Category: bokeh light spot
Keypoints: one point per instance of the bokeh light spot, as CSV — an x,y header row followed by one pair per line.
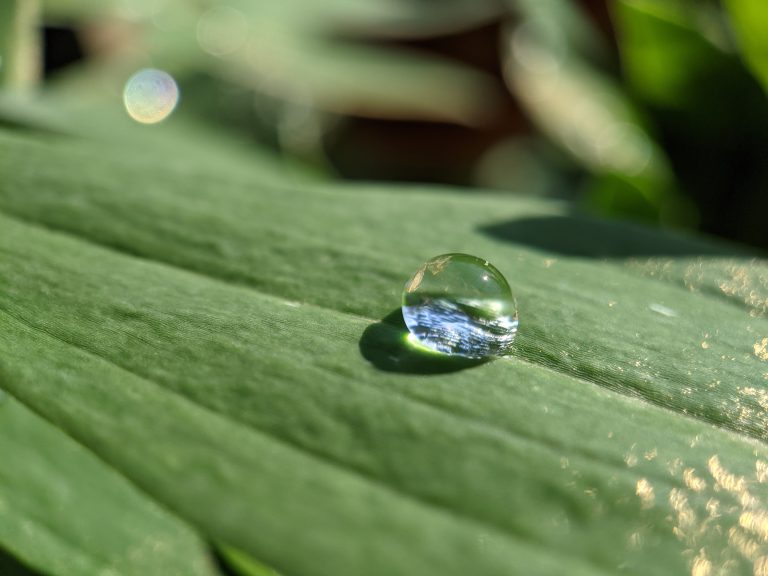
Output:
x,y
222,30
150,96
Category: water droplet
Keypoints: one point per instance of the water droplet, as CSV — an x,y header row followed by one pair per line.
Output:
x,y
150,95
461,305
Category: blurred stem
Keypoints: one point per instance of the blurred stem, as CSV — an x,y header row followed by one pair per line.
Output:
x,y
19,44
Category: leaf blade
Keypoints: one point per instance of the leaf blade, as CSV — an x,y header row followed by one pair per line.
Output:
x,y
229,364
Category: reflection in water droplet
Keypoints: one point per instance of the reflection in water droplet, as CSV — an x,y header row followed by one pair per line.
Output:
x,y
461,305
222,30
150,96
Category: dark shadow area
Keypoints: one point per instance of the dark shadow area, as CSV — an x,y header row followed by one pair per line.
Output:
x,y
230,561
61,48
584,236
32,127
221,563
385,345
9,566
382,149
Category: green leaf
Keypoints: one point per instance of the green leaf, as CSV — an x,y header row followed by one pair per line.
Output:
x,y
20,51
10,566
409,16
665,51
358,79
587,114
244,564
749,19
225,342
65,512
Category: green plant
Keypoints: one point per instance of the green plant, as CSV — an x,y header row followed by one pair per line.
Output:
x,y
192,351
203,370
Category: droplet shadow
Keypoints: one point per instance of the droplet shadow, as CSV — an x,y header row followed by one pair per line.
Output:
x,y
386,346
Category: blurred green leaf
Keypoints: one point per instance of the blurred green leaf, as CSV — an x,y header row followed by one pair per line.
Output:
x,y
386,17
680,61
355,79
662,49
564,25
20,50
295,50
750,22
588,116
216,337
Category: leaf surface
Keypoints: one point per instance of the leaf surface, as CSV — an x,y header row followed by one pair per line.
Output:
x,y
64,512
225,342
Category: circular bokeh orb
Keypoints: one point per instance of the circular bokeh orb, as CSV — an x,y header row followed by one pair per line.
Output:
x,y
150,96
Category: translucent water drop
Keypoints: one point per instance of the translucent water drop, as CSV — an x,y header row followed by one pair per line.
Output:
x,y
461,305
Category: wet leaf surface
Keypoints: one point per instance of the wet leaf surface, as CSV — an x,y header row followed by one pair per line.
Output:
x,y
217,333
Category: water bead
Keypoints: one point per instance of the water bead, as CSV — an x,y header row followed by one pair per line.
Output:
x,y
460,305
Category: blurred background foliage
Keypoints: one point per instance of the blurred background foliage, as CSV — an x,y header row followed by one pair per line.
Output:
x,y
653,110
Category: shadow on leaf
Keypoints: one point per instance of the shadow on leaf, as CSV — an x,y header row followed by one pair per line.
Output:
x,y
595,238
386,346
9,566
